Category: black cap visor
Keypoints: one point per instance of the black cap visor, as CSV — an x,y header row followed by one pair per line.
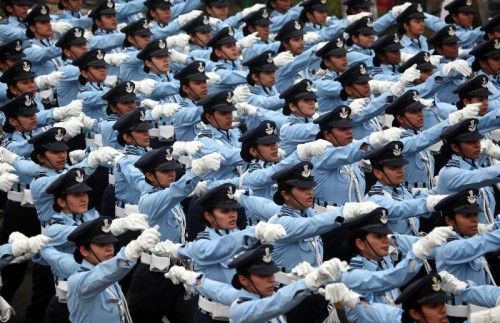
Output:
x,y
27,112
293,34
226,40
364,31
169,165
377,228
78,188
23,76
302,184
467,209
272,139
493,54
341,124
263,270
393,47
362,79
482,92
197,77
470,136
124,98
336,52
265,68
400,161
96,63
143,126
142,32
219,4
56,146
159,52
224,107
306,95
104,239
108,11
435,298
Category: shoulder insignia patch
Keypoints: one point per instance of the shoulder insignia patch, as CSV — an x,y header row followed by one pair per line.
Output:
x,y
39,175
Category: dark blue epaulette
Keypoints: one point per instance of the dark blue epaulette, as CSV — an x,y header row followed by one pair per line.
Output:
x,y
219,67
243,300
205,133
356,264
254,90
184,104
4,21
452,163
253,167
378,70
39,175
406,134
6,142
376,190
56,221
203,235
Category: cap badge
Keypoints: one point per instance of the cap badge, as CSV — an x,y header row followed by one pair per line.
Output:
x,y
468,3
396,38
427,58
28,101
229,97
168,155
472,126
59,135
340,43
471,198
106,228
26,67
265,14
201,68
230,193
484,83
230,31
309,87
78,33
497,44
362,69
206,20
451,31
369,22
323,1
306,173
384,217
419,8
267,255
344,114
296,25
129,88
415,96
161,44
110,4
79,177
436,284
269,129
396,151
44,10
269,58
142,117
18,47
145,25
99,55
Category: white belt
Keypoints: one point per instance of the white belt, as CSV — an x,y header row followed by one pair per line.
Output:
x,y
282,278
111,179
62,290
185,160
463,310
156,263
23,197
128,209
163,132
219,311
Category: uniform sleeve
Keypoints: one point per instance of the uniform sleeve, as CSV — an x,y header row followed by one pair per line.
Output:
x,y
62,262
217,291
91,100
267,102
133,176
456,179
5,255
384,22
163,89
261,178
426,138
279,20
187,116
231,155
300,62
41,54
375,312
433,22
184,7
484,295
125,9
335,157
261,206
173,28
58,234
399,210
295,134
107,42
373,109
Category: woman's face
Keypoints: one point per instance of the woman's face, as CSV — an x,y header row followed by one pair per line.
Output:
x,y
219,218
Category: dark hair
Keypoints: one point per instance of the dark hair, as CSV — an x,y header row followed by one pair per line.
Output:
x,y
181,91
349,42
303,17
145,68
210,210
249,77
7,127
246,31
81,79
406,318
213,56
94,26
120,139
245,151
77,255
376,59
56,206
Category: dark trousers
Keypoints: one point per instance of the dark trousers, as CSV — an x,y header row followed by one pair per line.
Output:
x,y
43,291
151,296
57,312
203,317
24,220
313,309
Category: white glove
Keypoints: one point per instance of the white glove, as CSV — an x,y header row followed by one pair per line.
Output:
x,y
357,106
320,73
380,138
88,35
246,109
352,210
451,284
7,180
6,168
7,156
397,10
380,86
339,293
240,94
32,245
148,239
435,60
145,86
483,228
187,17
132,222
312,149
206,163
423,247
119,27
73,127
426,102
283,58
60,27
301,270
179,41
117,159
178,57
469,111
87,121
486,316
200,189
490,149
16,235
165,110
77,156
408,76
311,37
330,270
254,8
405,57
432,200
73,109
21,259
352,18
269,232
281,154
181,148
213,78
116,59
167,249
459,66
149,104
101,156
46,81
213,21
179,274
247,41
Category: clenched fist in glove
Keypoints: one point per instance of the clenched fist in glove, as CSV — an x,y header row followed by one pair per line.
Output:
x,y
423,247
178,57
6,168
145,86
7,180
181,148
213,78
353,18
254,8
240,94
469,111
60,27
269,232
380,138
357,106
167,249
179,274
459,67
148,239
451,284
116,59
352,210
206,164
312,149
377,86
311,37
339,293
87,121
149,104
433,200
410,75
77,156
165,110
73,109
187,17
101,156
7,156
246,109
490,149
46,81
178,41
330,270
247,41
301,270
132,222
283,58
397,10
22,244
73,127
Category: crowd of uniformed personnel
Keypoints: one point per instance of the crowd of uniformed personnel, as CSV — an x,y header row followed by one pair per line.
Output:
x,y
162,160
